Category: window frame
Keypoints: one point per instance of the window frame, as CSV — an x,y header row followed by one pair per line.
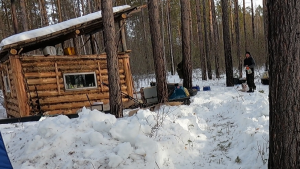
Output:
x,y
81,88
6,82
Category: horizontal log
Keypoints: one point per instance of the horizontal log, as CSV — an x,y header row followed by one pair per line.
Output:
x,y
42,74
65,106
73,92
65,62
45,87
61,111
13,113
73,98
43,81
106,77
13,107
12,101
105,71
102,56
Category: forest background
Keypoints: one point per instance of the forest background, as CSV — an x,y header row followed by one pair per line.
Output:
x,y
24,15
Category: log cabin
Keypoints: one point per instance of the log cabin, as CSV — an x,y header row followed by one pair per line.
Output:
x,y
62,79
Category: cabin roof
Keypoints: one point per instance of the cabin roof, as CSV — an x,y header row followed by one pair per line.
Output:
x,y
58,33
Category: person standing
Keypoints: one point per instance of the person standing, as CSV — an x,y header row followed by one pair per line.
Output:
x,y
249,64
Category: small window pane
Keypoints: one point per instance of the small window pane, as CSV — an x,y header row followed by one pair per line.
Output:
x,y
75,81
6,83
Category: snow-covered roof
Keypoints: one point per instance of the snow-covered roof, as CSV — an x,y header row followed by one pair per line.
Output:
x,y
48,30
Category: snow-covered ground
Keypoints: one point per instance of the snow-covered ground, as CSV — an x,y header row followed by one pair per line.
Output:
x,y
222,128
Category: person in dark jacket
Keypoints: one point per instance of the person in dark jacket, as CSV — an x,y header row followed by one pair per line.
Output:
x,y
249,64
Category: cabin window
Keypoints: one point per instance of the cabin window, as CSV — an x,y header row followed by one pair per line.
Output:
x,y
6,83
78,81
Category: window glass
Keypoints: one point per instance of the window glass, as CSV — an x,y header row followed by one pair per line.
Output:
x,y
75,81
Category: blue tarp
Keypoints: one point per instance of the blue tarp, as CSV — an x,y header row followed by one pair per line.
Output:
x,y
4,160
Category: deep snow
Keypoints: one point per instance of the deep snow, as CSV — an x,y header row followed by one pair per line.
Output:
x,y
222,128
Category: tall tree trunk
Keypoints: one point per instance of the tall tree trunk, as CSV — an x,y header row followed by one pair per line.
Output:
x,y
186,45
145,52
157,49
245,28
201,43
2,25
24,15
4,5
14,16
265,15
115,99
170,37
252,11
208,60
59,11
44,12
227,44
215,38
237,38
231,22
284,52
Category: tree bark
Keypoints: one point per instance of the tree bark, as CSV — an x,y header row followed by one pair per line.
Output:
x,y
14,16
186,45
201,43
59,11
284,52
215,38
265,15
227,44
44,12
24,15
170,37
252,16
245,28
207,51
115,99
157,49
237,38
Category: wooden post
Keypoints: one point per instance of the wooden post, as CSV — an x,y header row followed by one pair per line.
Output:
x,y
19,85
57,78
92,41
8,78
76,44
123,34
128,76
99,69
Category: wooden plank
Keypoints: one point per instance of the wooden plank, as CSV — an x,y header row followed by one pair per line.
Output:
x,y
57,78
19,86
43,81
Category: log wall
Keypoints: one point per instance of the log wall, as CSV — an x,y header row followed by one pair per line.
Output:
x,y
42,81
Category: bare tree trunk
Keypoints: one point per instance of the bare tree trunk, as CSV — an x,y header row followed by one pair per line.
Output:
x,y
245,28
115,99
201,43
170,37
186,45
157,49
208,60
4,5
265,15
24,15
252,11
227,44
231,22
44,12
14,16
237,39
59,11
284,52
2,25
215,38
